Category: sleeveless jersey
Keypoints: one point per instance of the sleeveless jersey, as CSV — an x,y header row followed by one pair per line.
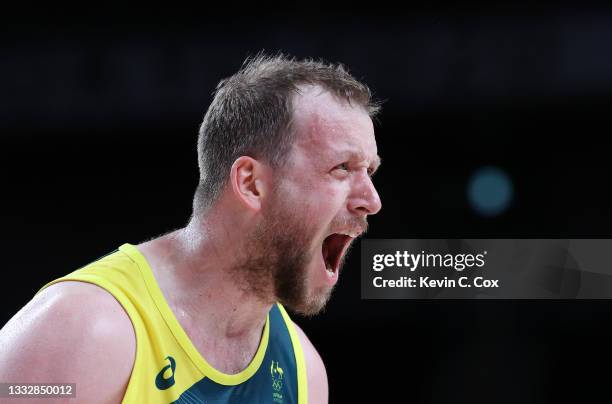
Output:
x,y
168,368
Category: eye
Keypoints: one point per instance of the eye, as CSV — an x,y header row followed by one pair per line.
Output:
x,y
341,170
343,166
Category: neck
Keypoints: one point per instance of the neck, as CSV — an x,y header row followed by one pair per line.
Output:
x,y
195,269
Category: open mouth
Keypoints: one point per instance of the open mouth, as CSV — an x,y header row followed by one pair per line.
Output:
x,y
334,247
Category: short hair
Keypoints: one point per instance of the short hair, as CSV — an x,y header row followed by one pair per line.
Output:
x,y
251,114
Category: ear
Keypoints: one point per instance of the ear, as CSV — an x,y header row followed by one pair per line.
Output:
x,y
248,181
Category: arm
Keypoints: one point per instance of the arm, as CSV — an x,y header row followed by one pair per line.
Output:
x,y
315,370
71,332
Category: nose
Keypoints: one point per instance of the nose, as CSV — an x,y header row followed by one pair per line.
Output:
x,y
364,199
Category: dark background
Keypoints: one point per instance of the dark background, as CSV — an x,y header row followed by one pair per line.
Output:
x,y
99,110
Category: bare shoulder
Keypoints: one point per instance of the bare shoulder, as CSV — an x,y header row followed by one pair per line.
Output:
x,y
315,369
71,332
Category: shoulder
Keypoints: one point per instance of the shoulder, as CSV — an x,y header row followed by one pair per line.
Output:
x,y
315,369
73,332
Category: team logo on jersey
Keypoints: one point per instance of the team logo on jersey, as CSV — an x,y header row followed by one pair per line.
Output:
x,y
162,382
277,381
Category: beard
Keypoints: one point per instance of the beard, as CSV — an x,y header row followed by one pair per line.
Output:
x,y
275,262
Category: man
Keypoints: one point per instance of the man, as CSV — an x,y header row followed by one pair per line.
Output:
x,y
286,153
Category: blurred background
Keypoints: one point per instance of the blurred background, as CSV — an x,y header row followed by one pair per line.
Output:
x,y
495,124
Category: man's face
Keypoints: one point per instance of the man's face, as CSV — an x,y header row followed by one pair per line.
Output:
x,y
322,198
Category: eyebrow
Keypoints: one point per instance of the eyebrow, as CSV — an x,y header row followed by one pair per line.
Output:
x,y
376,162
376,165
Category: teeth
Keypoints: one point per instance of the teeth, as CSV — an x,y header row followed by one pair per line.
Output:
x,y
329,269
352,234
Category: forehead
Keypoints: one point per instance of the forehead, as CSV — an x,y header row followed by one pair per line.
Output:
x,y
328,126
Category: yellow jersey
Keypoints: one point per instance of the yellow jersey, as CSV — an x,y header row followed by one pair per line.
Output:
x,y
168,368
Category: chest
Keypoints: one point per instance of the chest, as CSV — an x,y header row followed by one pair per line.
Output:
x,y
227,355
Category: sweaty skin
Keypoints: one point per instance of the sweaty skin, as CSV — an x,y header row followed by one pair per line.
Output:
x,y
326,188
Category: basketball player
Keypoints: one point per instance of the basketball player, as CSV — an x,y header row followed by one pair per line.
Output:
x,y
286,153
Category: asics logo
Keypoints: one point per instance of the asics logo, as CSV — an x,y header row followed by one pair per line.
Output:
x,y
162,382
